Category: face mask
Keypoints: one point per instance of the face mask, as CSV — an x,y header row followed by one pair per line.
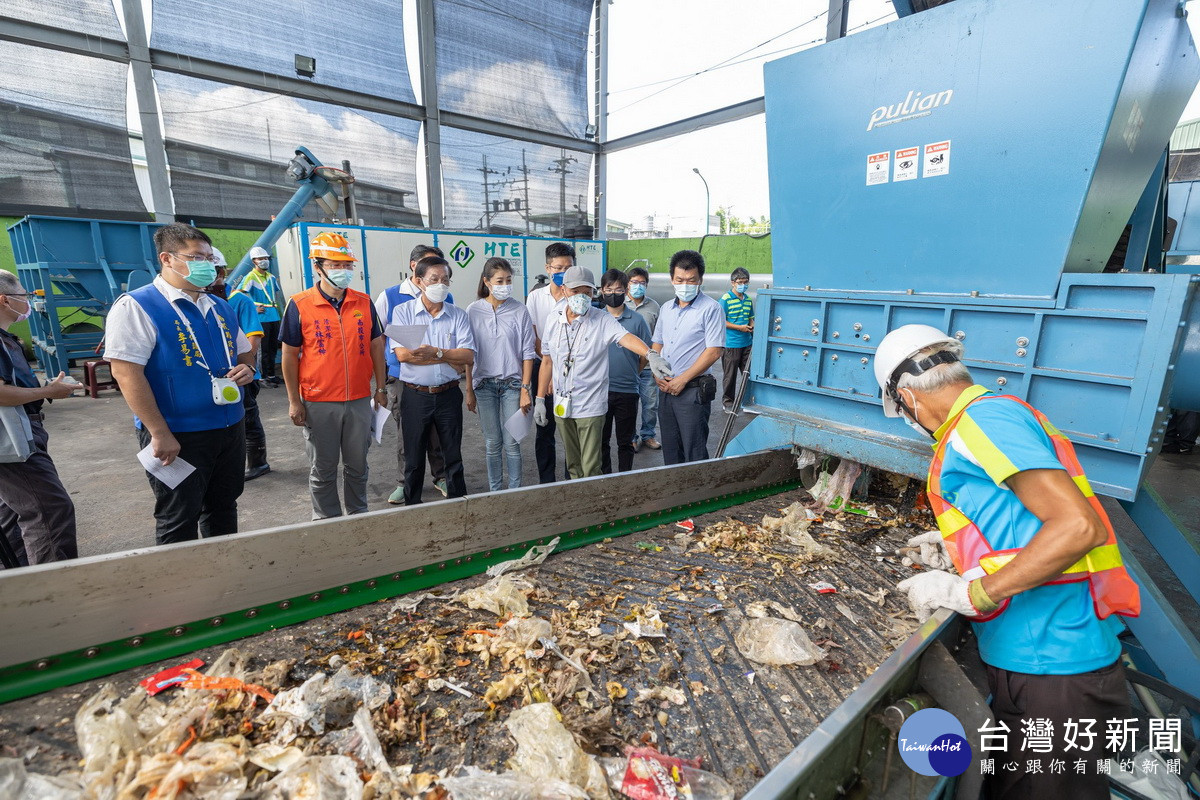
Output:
x,y
579,304
740,287
436,293
28,310
613,300
263,266
502,292
200,273
686,292
637,290
557,278
339,277
912,423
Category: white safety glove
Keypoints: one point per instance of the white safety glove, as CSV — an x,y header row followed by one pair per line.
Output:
x,y
929,591
660,368
539,412
933,550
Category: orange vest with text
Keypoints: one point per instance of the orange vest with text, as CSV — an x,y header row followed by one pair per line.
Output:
x,y
1112,590
335,358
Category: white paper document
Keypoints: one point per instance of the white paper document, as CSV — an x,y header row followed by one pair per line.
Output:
x,y
172,475
410,337
381,417
519,424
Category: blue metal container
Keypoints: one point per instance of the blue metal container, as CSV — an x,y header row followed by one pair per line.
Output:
x,y
77,265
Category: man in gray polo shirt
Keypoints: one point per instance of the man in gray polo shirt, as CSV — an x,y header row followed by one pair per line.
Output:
x,y
691,334
575,354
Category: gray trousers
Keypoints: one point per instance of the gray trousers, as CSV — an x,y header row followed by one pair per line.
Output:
x,y
37,516
333,433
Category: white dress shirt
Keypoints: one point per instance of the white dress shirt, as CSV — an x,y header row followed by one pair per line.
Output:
x,y
503,338
449,330
130,335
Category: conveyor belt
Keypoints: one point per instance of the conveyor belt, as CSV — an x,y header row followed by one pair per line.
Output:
x,y
741,726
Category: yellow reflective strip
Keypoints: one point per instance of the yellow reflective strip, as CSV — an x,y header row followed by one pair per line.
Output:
x,y
1106,556
951,521
994,562
1082,482
991,458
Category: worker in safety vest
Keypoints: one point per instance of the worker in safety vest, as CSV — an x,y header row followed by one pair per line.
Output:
x,y
1038,568
332,347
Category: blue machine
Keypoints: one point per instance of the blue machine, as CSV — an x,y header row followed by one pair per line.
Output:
x,y
77,264
971,167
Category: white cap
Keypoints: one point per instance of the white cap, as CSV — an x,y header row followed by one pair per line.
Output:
x,y
258,252
899,346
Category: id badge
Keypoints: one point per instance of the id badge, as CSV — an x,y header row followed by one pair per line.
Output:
x,y
562,406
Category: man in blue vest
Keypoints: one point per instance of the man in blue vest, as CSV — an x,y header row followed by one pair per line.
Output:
x,y
387,300
181,360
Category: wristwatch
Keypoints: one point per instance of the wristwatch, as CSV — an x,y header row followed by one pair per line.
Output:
x,y
439,352
527,387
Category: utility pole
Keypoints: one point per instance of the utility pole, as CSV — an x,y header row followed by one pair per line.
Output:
x,y
560,166
835,20
525,173
487,200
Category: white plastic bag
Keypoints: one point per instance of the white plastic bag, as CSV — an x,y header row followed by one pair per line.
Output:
x,y
479,784
547,750
778,642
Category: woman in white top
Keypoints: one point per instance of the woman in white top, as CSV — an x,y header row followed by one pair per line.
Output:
x,y
499,382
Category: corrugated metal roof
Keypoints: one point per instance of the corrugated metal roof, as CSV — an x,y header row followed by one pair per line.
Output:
x,y
1186,135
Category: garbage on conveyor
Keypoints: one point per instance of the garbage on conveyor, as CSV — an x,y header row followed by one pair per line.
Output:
x,y
778,642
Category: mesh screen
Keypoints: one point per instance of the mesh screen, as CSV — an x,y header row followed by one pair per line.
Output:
x,y
533,199
1184,165
358,44
97,17
516,61
64,144
228,147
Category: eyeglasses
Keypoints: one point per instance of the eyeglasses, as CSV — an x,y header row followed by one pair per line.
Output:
x,y
193,257
613,292
432,281
16,294
637,283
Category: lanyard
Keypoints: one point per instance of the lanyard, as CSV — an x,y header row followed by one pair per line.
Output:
x,y
569,367
263,284
196,342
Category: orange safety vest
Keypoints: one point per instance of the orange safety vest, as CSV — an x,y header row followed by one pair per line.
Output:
x,y
335,358
1112,590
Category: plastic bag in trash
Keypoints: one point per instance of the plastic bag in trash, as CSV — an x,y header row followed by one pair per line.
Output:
x,y
767,640
501,595
840,483
479,784
547,750
18,784
533,556
207,771
649,775
316,778
1150,777
793,527
360,741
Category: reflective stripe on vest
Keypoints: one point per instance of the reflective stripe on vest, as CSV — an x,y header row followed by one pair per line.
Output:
x,y
1112,590
335,357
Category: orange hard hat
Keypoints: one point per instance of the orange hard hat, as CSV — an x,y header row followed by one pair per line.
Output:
x,y
332,246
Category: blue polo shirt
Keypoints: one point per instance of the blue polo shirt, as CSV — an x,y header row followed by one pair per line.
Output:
x,y
622,363
1048,630
248,317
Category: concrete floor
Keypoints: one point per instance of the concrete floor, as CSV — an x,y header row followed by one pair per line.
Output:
x,y
93,444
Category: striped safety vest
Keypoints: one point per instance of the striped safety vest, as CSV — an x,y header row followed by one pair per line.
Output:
x,y
1112,590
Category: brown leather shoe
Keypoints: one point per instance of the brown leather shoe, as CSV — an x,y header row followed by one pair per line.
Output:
x,y
652,443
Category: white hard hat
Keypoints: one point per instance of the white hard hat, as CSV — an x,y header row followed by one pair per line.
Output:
x,y
219,258
897,348
258,252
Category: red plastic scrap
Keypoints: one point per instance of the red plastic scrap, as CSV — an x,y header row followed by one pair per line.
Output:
x,y
651,775
687,525
169,677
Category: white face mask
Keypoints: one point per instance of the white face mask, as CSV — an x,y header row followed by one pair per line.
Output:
x,y
686,292
436,293
912,421
502,292
28,310
579,304
340,278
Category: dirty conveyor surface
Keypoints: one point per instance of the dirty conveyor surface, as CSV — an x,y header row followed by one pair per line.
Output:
x,y
691,693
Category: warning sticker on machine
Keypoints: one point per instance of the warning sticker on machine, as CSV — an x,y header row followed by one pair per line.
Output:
x,y
907,164
878,168
937,159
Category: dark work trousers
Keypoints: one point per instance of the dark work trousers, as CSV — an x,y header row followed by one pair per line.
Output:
x,y
256,437
1099,695
421,411
1181,431
270,349
543,443
622,414
437,463
683,424
205,503
733,359
37,517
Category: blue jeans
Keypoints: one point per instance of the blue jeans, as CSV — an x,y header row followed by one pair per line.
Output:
x,y
498,400
649,391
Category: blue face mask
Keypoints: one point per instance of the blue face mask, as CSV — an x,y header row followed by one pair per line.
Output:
x,y
340,278
558,278
637,290
686,292
200,274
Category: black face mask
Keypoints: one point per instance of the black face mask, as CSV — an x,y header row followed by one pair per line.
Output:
x,y
613,300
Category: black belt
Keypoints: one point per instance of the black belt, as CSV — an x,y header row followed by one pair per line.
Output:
x,y
431,389
694,382
38,417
